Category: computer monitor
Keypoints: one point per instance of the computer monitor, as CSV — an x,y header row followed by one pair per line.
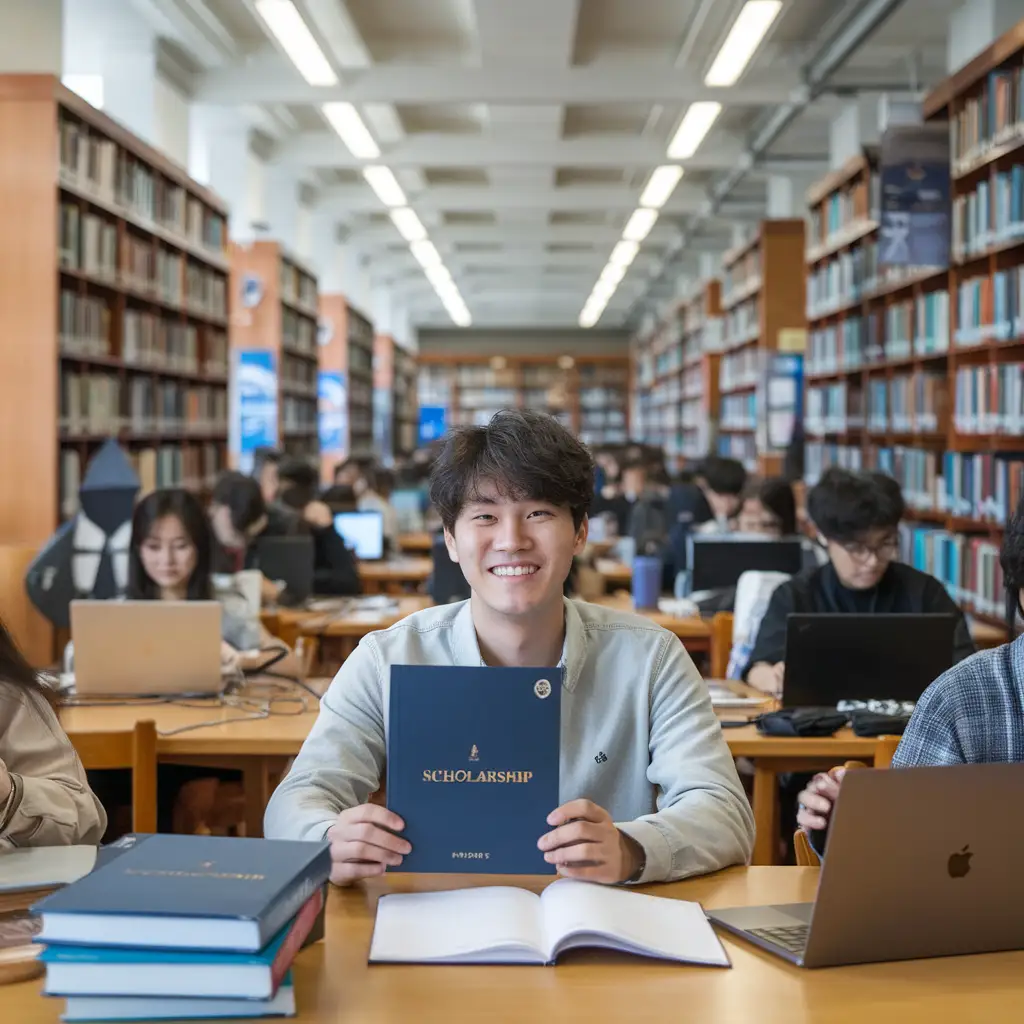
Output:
x,y
718,562
363,532
289,560
408,505
880,656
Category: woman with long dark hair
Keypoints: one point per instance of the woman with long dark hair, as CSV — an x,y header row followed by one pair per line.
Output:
x,y
45,799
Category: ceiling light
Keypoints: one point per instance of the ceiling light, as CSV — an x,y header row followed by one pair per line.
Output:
x,y
613,274
745,36
385,184
460,316
661,185
426,254
345,120
591,314
439,277
638,227
696,123
624,253
408,224
288,28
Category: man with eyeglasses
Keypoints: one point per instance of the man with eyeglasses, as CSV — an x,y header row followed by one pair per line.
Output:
x,y
857,517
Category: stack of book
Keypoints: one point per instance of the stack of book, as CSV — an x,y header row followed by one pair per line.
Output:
x,y
184,928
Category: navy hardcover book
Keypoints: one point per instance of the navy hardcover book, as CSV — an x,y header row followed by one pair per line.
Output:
x,y
473,765
188,892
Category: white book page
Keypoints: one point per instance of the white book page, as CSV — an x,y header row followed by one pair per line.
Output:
x,y
586,914
495,924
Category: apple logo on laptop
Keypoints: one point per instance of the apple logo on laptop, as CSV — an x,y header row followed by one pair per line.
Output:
x,y
960,863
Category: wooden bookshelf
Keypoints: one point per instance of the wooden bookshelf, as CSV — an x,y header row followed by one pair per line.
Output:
x,y
283,322
677,373
763,304
395,408
589,394
113,306
922,374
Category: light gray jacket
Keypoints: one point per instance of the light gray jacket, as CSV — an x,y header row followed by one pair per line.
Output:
x,y
639,736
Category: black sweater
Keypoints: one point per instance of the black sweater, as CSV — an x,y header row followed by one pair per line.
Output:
x,y
902,590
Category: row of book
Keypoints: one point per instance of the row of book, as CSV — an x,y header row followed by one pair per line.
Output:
x,y
298,287
831,411
668,361
993,118
298,414
990,308
298,333
840,210
152,340
87,242
908,403
990,215
841,280
742,274
739,369
742,323
742,447
299,373
96,165
739,412
83,324
990,399
693,383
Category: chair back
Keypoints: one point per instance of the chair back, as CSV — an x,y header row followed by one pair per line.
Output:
x,y
134,749
721,644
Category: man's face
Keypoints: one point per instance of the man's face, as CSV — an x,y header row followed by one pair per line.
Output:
x,y
270,482
723,506
861,564
634,481
515,554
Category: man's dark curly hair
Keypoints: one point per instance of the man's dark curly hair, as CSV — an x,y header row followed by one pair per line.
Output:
x,y
1011,555
525,455
844,505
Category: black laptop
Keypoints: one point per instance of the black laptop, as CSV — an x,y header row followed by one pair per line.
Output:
x,y
718,562
832,657
289,560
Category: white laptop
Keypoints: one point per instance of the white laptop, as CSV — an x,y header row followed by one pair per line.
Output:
x,y
146,648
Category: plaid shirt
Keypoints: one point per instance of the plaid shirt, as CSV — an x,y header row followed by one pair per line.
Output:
x,y
972,714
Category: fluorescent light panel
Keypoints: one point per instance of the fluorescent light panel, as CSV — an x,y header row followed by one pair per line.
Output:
x,y
638,227
661,186
345,120
288,28
696,123
409,225
383,181
612,275
426,254
624,253
745,36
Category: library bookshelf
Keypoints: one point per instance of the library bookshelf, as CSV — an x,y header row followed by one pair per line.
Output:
x,y
764,309
922,374
276,311
589,394
677,376
395,406
113,307
348,348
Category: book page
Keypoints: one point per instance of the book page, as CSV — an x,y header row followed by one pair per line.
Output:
x,y
586,914
458,925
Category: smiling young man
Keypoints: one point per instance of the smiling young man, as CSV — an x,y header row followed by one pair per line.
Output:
x,y
649,791
857,516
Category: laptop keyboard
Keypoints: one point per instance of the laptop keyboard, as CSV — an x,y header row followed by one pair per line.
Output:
x,y
790,937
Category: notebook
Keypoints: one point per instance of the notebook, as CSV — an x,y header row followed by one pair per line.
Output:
x,y
505,925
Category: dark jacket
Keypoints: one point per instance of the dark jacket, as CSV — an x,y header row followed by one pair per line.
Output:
x,y
335,568
902,590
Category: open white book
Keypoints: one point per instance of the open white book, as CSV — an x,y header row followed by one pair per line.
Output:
x,y
505,925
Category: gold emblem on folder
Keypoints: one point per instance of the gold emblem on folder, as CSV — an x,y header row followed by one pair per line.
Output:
x,y
474,753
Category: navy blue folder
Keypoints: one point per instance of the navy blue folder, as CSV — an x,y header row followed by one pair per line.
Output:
x,y
472,765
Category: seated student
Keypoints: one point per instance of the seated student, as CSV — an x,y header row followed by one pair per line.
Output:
x,y
858,516
335,571
266,471
722,482
372,488
768,509
45,799
971,714
351,469
516,493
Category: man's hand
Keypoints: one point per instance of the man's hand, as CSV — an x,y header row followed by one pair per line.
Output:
x,y
817,800
363,843
269,590
584,843
6,786
767,678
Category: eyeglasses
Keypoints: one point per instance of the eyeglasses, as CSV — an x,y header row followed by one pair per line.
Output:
x,y
884,552
754,524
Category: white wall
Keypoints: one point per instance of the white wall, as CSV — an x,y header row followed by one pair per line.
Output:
x,y
172,126
256,188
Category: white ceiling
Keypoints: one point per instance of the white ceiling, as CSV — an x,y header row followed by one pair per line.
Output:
x,y
523,131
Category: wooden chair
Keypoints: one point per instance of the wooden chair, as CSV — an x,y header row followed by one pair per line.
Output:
x,y
135,749
885,749
721,643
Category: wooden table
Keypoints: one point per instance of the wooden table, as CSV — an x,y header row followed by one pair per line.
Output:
x,y
694,632
394,575
334,984
615,573
418,543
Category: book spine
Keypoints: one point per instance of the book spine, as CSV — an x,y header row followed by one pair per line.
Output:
x,y
301,927
294,896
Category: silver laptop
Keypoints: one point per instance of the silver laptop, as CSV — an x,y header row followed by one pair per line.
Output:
x,y
921,862
146,648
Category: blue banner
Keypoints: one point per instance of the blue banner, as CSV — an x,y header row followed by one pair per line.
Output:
x,y
432,422
916,203
254,416
332,395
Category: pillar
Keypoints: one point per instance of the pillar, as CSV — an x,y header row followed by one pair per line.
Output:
x,y
854,127
281,206
710,264
977,23
783,200
326,252
31,36
219,158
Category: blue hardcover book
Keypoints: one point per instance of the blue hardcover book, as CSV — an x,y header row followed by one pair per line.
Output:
x,y
188,892
473,765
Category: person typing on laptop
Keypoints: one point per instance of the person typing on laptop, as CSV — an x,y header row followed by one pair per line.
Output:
x,y
640,737
857,517
969,715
